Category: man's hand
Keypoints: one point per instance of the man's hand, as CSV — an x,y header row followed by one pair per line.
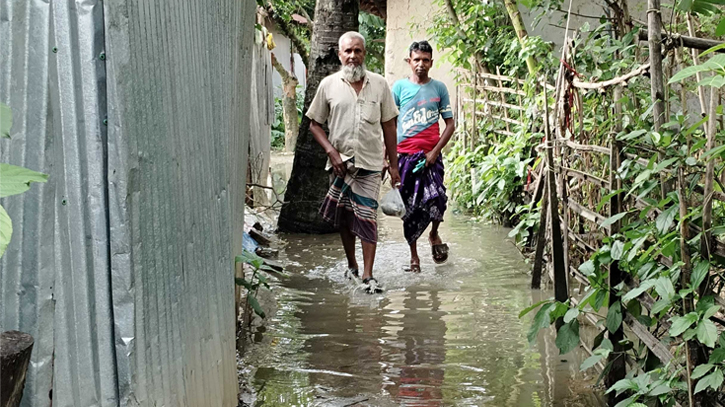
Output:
x,y
338,166
394,177
386,167
431,157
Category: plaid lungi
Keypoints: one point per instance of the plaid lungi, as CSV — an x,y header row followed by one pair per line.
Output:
x,y
353,201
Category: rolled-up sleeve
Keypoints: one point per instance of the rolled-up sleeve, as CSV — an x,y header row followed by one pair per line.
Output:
x,y
319,109
388,110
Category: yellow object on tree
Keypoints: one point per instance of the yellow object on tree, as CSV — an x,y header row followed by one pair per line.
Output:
x,y
270,42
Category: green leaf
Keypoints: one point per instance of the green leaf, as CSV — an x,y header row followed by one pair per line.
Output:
x,y
687,72
666,219
664,288
617,250
715,81
255,306
646,285
716,47
713,380
611,220
711,311
623,385
571,315
246,284
699,273
717,356
681,324
541,320
531,308
701,370
658,391
16,180
590,362
614,317
587,268
6,230
660,306
707,333
6,120
567,339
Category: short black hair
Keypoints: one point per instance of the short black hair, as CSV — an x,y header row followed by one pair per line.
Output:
x,y
420,46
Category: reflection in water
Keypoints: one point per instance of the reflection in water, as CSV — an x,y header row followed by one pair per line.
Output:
x,y
423,332
449,336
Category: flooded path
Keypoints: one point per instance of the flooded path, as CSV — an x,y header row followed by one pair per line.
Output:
x,y
449,336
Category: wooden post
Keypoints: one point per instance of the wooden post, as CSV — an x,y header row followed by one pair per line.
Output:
x,y
657,85
15,350
561,291
503,100
688,304
618,369
474,133
540,239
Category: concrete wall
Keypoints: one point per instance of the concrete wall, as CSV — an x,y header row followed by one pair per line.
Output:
x,y
401,13
399,35
283,52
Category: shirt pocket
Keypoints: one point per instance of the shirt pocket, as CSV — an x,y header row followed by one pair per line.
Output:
x,y
370,111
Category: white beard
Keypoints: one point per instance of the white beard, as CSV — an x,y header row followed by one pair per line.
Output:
x,y
353,74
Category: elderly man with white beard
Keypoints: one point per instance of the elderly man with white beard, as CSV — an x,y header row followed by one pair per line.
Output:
x,y
360,112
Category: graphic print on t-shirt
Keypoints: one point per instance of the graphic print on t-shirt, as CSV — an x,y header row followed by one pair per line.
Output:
x,y
421,107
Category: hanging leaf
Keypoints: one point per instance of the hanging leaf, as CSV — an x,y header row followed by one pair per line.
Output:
x,y
666,219
255,306
587,268
644,286
541,320
717,356
590,362
16,180
531,308
617,250
716,47
701,370
713,380
611,220
681,324
699,273
6,120
707,333
571,315
6,230
567,339
614,317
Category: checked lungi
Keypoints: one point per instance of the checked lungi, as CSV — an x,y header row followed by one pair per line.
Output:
x,y
353,201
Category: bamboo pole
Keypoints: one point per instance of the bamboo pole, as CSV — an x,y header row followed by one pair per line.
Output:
x,y
688,304
518,24
657,85
618,369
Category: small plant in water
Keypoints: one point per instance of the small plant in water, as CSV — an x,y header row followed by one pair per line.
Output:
x,y
256,280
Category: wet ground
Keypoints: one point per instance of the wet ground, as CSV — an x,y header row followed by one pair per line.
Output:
x,y
449,336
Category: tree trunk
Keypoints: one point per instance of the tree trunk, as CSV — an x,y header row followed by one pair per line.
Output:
x,y
518,24
289,105
309,181
15,350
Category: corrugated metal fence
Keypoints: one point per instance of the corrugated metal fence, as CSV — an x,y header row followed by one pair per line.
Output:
x,y
121,265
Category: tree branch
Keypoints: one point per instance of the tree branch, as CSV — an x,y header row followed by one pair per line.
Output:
x,y
283,72
615,81
286,30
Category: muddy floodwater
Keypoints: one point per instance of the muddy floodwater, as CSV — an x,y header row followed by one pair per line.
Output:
x,y
449,336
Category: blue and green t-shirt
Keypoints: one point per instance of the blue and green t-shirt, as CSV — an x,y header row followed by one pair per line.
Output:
x,y
421,107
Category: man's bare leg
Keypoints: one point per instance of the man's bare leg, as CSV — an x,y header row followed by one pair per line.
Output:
x,y
368,258
348,243
414,259
434,236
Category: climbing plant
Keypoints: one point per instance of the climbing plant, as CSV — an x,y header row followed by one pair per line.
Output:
x,y
14,180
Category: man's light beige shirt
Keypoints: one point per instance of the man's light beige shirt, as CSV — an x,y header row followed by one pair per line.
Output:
x,y
354,120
